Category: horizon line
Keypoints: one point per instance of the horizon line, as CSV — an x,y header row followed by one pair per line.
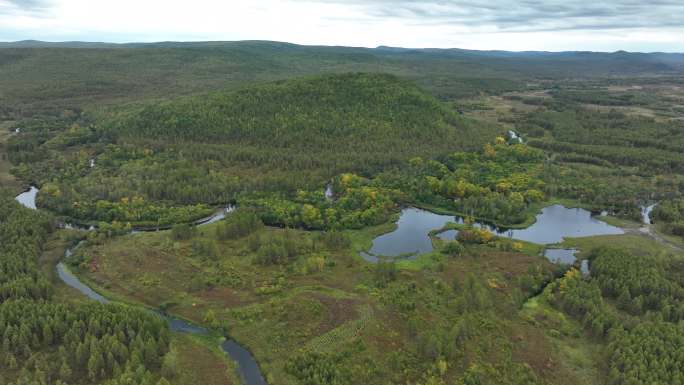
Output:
x,y
47,42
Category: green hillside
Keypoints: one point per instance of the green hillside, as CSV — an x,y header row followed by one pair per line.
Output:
x,y
277,137
335,113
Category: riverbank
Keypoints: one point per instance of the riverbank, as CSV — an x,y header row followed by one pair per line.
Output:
x,y
210,216
133,278
530,213
415,231
193,350
29,199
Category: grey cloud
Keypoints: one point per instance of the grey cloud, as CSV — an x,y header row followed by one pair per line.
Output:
x,y
34,7
29,4
528,15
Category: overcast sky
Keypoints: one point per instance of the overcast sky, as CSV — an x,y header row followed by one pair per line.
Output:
x,y
554,25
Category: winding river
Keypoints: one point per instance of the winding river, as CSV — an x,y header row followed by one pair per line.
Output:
x,y
28,199
409,239
248,368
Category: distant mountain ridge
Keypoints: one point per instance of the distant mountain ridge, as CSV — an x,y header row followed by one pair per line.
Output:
x,y
565,63
58,76
204,44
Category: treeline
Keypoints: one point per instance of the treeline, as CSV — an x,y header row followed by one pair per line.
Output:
x,y
644,331
44,342
22,235
608,159
619,192
497,183
670,213
613,136
64,199
357,203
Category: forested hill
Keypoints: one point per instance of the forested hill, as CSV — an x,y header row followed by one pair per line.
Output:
x,y
278,137
330,124
325,112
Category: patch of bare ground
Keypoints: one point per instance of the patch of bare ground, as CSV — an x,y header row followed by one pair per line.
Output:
x,y
337,311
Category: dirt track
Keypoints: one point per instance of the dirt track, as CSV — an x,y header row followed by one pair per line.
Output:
x,y
648,231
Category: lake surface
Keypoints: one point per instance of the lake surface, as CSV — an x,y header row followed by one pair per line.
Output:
x,y
410,237
557,222
448,235
562,256
552,224
567,257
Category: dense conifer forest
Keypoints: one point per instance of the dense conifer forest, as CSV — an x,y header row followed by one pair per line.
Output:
x,y
635,304
45,342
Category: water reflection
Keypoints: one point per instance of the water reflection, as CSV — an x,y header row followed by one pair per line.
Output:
x,y
552,225
248,368
218,216
557,222
28,198
561,256
70,279
182,326
410,237
448,235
